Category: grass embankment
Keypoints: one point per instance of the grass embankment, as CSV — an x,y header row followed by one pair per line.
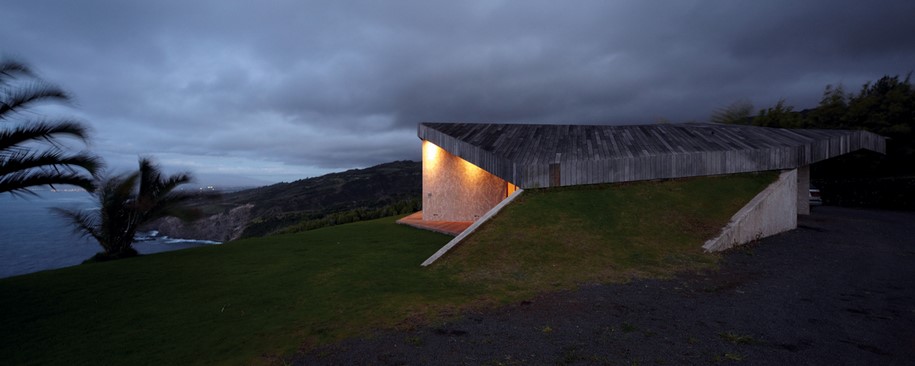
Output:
x,y
562,237
259,300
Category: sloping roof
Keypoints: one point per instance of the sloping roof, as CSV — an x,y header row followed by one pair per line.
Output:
x,y
524,154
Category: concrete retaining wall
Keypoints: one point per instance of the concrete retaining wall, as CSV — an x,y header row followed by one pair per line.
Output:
x,y
803,190
772,211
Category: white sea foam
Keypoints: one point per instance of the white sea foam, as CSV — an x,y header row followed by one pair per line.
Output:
x,y
168,240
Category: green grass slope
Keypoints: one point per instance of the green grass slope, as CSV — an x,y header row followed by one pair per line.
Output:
x,y
563,237
257,301
227,304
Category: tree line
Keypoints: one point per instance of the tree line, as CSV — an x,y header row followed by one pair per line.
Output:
x,y
885,107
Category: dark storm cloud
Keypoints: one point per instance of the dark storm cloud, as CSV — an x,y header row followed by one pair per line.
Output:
x,y
284,89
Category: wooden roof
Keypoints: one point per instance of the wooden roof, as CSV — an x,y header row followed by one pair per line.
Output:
x,y
585,154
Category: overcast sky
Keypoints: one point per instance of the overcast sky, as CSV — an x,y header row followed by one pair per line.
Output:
x,y
283,90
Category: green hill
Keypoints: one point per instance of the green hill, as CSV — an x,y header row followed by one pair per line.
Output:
x,y
370,187
259,300
349,196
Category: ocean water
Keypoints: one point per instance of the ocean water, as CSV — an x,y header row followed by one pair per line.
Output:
x,y
33,239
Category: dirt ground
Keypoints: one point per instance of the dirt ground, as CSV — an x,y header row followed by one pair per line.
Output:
x,y
839,290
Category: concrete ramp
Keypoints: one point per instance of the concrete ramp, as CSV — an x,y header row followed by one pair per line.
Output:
x,y
772,211
492,212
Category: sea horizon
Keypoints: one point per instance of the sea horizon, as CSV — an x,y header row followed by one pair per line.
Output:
x,y
33,238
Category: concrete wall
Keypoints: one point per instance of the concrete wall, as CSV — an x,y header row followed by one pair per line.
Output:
x,y
803,190
772,211
456,190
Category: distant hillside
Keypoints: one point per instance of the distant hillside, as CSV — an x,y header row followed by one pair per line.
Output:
x,y
354,195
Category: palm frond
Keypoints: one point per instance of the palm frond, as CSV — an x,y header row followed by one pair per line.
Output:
x,y
47,131
150,177
52,160
122,187
84,222
22,180
36,91
31,152
9,68
169,184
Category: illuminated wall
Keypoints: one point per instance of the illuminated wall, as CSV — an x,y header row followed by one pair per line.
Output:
x,y
456,190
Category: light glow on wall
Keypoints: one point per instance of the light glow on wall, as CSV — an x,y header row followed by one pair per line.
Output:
x,y
471,173
455,189
510,188
434,156
431,153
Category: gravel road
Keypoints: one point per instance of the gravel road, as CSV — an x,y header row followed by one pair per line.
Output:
x,y
839,290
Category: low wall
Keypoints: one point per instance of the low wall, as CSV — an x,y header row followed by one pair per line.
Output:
x,y
772,211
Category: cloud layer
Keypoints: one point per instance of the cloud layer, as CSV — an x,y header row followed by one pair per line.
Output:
x,y
282,90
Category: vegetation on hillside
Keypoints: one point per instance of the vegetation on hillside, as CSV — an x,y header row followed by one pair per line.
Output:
x,y
336,198
885,107
403,207
308,202
32,148
260,300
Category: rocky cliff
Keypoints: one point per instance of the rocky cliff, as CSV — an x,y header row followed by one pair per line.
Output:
x,y
224,226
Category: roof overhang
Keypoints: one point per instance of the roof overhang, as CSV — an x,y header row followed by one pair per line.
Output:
x,y
532,155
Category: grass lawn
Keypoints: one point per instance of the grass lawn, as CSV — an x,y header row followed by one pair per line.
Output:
x,y
257,301
229,304
560,238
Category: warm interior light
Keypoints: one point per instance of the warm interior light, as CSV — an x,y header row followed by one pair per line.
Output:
x,y
511,188
455,189
430,151
472,173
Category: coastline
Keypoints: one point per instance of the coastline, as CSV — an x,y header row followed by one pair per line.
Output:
x,y
34,239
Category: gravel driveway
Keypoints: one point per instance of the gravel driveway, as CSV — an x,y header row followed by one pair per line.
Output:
x,y
839,290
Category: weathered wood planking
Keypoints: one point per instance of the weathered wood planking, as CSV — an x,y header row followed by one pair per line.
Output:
x,y
588,154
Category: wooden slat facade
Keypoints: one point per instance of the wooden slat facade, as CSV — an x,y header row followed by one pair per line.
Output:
x,y
587,154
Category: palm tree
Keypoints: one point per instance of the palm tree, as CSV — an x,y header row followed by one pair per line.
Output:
x,y
31,150
127,202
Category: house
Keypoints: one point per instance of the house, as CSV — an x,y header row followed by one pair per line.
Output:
x,y
470,168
